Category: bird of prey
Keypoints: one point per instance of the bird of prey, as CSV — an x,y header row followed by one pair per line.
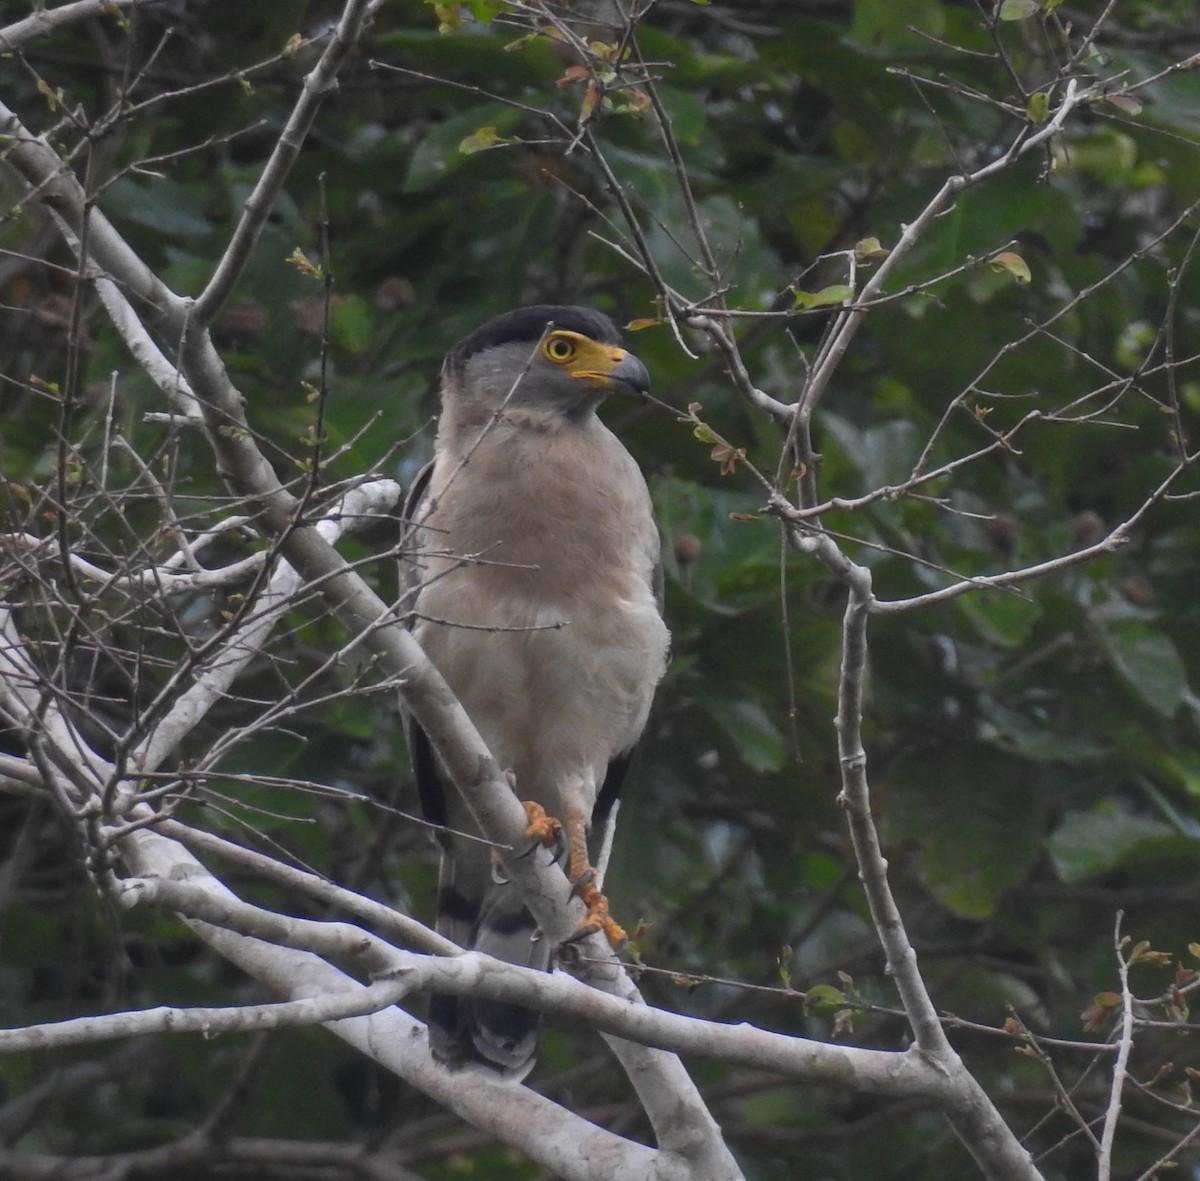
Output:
x,y
536,592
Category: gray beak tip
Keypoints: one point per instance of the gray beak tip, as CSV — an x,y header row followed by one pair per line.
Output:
x,y
633,373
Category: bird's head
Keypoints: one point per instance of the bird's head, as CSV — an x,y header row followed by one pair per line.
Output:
x,y
561,360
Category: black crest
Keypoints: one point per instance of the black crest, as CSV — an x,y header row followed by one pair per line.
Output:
x,y
527,325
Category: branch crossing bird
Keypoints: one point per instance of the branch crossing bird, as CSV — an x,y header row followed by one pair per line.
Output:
x,y
536,590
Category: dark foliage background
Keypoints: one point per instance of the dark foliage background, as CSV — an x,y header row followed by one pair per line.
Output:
x,y
1035,752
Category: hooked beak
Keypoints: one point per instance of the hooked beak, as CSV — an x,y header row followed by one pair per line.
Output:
x,y
632,372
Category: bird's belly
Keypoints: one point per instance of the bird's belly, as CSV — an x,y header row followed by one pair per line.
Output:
x,y
556,692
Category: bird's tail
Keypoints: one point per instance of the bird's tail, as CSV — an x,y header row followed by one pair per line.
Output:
x,y
488,917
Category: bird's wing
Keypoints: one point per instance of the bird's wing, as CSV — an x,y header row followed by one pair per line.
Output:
x,y
430,786
618,767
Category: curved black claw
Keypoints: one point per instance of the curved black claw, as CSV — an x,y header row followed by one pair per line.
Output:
x,y
559,846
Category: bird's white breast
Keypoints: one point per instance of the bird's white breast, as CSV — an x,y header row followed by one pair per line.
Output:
x,y
552,548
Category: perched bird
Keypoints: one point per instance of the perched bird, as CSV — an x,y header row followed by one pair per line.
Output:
x,y
536,592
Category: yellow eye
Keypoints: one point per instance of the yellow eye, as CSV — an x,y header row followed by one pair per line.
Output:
x,y
558,348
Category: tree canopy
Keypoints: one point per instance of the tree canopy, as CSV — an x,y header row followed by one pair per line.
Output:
x,y
917,285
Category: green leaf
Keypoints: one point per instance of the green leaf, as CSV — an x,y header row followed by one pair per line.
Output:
x,y
1091,843
1148,662
440,154
449,12
758,741
482,140
870,248
485,11
824,998
738,563
1106,154
165,206
688,113
827,297
1002,619
1184,766
887,26
1018,10
1033,736
974,817
351,324
884,454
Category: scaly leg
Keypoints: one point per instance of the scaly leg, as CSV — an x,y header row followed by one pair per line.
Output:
x,y
583,881
546,830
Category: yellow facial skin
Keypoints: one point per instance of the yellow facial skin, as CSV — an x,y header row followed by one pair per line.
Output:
x,y
584,358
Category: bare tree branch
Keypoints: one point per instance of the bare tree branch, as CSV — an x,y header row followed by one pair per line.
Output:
x,y
209,1022
44,21
318,83
1112,1114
